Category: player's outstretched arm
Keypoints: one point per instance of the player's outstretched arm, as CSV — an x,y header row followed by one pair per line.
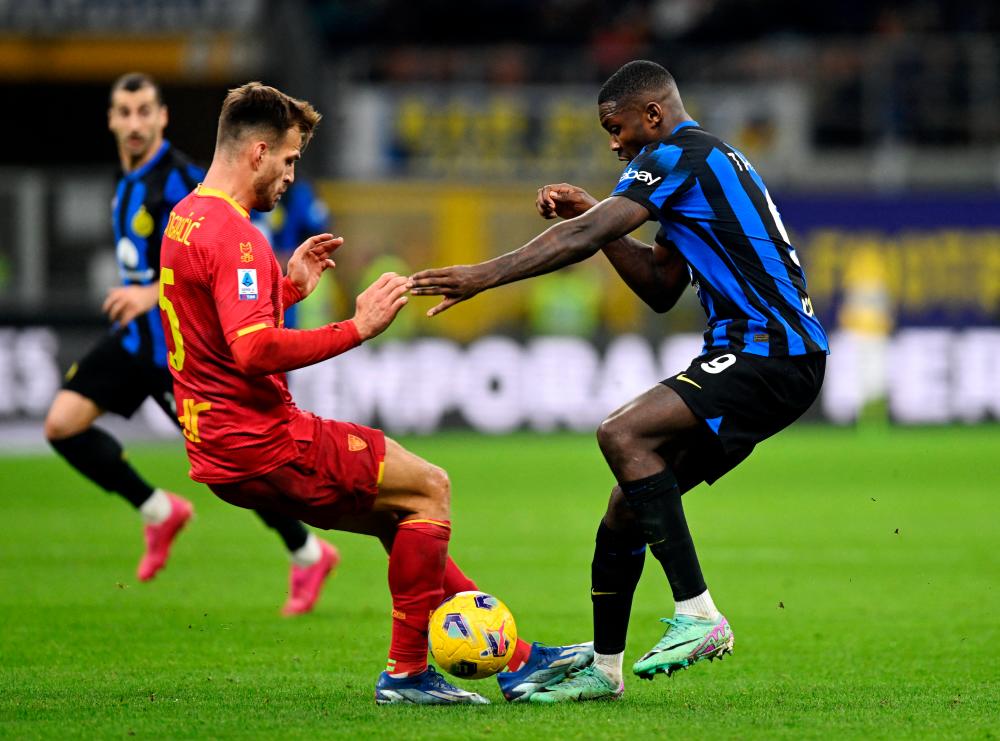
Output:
x,y
277,350
309,261
560,245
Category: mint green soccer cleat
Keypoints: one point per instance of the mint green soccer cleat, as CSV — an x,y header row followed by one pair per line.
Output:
x,y
688,639
586,684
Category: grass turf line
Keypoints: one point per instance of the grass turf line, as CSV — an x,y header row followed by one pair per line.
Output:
x,y
843,625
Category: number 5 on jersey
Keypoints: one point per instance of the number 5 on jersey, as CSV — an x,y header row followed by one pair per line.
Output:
x,y
175,357
189,419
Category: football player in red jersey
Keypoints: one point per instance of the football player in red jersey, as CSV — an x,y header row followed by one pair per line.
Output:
x,y
222,302
129,364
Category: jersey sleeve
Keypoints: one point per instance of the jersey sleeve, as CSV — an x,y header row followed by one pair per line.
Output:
x,y
653,177
246,291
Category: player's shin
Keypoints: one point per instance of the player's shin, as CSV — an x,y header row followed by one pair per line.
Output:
x,y
100,458
456,581
614,574
416,578
656,503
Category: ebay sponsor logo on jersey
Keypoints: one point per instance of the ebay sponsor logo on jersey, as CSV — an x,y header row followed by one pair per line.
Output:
x,y
643,176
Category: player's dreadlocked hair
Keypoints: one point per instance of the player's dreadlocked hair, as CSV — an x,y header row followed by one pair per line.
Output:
x,y
266,111
132,81
640,76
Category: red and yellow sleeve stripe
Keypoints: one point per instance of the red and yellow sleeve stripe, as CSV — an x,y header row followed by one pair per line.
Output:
x,y
250,330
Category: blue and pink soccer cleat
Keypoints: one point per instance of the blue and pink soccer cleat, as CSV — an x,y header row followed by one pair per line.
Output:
x,y
426,688
545,666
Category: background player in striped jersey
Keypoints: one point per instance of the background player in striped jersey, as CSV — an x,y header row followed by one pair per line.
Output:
x,y
761,367
130,363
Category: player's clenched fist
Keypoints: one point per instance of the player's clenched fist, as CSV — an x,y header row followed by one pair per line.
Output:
x,y
563,200
377,305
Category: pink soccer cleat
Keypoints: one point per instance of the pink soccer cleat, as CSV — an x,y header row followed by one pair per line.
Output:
x,y
160,537
306,582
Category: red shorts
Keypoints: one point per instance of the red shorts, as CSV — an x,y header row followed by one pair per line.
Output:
x,y
337,472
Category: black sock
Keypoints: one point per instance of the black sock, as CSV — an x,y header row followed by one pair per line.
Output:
x,y
100,458
292,532
614,574
656,503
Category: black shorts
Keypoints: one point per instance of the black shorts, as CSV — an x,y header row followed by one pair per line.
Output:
x,y
118,381
742,399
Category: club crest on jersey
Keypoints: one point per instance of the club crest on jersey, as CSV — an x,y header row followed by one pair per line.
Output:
x,y
142,223
246,251
246,279
643,176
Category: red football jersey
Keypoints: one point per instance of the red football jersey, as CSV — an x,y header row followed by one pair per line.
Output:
x,y
219,280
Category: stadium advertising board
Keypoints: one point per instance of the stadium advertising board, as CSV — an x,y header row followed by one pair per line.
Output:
x,y
935,258
497,384
911,287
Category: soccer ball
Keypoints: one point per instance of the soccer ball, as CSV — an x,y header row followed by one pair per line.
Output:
x,y
472,635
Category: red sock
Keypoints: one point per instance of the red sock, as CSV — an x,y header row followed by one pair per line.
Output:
x,y
416,575
521,653
455,581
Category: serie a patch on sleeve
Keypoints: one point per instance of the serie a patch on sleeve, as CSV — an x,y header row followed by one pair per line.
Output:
x,y
247,281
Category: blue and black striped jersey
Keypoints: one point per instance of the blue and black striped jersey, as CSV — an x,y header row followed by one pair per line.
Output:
x,y
140,211
714,208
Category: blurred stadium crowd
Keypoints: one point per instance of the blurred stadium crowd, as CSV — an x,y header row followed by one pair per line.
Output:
x,y
876,125
927,67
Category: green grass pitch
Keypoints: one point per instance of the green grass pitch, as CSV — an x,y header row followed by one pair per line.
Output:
x,y
860,572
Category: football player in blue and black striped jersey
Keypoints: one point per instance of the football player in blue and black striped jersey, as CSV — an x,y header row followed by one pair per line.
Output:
x,y
129,363
761,366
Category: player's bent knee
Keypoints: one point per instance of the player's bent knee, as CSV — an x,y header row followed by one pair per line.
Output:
x,y
614,438
51,429
58,427
69,415
439,492
432,495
